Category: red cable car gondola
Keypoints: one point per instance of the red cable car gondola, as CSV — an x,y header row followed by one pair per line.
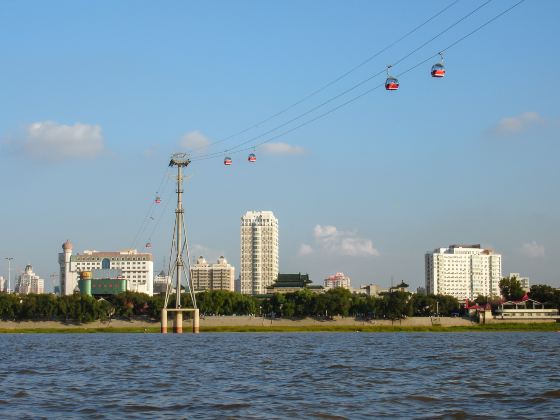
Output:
x,y
227,161
252,158
392,83
438,69
158,199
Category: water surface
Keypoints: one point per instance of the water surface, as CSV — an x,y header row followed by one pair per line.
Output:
x,y
303,375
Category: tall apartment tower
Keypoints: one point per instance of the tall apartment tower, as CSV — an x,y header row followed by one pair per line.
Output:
x,y
463,271
29,282
259,251
217,276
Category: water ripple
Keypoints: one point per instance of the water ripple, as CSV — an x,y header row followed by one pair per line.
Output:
x,y
277,376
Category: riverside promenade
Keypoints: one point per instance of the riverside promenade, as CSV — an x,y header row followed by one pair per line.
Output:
x,y
234,322
258,324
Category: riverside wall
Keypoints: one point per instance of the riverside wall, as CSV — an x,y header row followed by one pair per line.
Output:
x,y
235,321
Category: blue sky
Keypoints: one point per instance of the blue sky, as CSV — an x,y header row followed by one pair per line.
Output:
x,y
97,95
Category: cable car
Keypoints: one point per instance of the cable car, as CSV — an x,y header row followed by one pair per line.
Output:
x,y
148,244
158,199
392,83
438,69
227,161
252,158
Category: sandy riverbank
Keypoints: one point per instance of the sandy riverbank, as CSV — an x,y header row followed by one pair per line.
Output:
x,y
240,323
232,321
247,324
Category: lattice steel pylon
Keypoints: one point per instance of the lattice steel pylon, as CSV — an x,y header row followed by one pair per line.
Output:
x,y
179,246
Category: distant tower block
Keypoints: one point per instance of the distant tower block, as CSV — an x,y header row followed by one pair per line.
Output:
x,y
259,251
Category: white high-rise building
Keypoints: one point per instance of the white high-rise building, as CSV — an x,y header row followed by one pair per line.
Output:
x,y
217,276
338,280
137,268
29,282
259,251
463,271
523,281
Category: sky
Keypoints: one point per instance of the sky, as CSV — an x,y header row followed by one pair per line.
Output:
x,y
95,96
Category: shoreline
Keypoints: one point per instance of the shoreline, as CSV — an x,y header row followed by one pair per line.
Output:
x,y
241,324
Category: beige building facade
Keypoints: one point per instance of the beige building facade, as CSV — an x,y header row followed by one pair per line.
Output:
x,y
137,267
259,251
217,276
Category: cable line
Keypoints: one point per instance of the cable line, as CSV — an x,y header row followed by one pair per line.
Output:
x,y
328,84
350,89
355,98
151,210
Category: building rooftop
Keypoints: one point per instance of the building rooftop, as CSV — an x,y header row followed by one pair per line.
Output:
x,y
108,254
292,280
465,246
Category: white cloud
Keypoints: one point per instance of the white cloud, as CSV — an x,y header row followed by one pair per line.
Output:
x,y
150,151
335,241
281,149
305,249
514,125
532,250
194,140
50,141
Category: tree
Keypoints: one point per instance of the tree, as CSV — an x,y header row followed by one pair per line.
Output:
x,y
396,305
545,294
447,304
510,288
338,301
423,305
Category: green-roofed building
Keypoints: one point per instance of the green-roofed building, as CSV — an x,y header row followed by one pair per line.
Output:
x,y
290,283
402,287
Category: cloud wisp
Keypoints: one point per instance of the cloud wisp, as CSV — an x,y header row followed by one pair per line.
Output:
x,y
305,249
532,250
281,149
509,126
53,142
194,140
333,241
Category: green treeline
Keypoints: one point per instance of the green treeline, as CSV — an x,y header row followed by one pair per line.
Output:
x,y
304,303
80,308
341,302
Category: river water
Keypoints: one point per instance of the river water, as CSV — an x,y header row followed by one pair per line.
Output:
x,y
300,375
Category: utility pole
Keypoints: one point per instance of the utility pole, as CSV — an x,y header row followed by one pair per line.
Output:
x,y
9,273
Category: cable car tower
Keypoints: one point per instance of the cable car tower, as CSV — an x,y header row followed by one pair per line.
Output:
x,y
179,245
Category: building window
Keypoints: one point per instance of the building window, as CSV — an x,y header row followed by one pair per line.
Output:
x,y
106,263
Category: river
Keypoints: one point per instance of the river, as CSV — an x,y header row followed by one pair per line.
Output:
x,y
299,375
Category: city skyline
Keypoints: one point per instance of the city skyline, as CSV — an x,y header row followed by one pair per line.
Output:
x,y
90,121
